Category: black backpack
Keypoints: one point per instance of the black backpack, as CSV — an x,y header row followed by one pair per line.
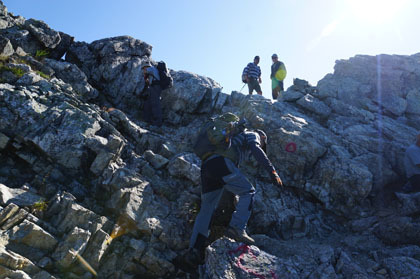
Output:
x,y
166,81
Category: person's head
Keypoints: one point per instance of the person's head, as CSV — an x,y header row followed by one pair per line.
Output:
x,y
275,58
144,65
256,60
263,139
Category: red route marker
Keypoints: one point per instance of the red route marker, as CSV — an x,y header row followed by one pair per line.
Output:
x,y
244,249
291,147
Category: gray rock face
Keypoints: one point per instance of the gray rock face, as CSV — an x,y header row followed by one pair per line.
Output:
x,y
81,179
71,74
384,80
113,66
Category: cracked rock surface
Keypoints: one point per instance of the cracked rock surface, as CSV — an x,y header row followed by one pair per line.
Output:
x,y
87,187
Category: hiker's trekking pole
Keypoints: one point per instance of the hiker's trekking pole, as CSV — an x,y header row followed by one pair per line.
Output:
x,y
84,263
242,88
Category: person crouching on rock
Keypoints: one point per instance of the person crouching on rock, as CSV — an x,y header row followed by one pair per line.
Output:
x,y
152,111
220,172
412,165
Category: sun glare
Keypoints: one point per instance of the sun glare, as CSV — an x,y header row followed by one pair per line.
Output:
x,y
375,11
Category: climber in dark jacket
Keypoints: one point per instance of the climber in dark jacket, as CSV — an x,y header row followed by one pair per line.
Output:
x,y
152,112
220,173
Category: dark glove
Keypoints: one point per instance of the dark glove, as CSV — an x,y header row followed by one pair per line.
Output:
x,y
275,178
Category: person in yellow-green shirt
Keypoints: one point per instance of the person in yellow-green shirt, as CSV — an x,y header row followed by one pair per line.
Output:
x,y
278,73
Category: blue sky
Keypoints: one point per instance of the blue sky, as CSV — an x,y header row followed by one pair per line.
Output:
x,y
218,38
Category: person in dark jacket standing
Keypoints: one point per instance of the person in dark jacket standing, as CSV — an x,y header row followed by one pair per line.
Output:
x,y
152,112
221,172
252,75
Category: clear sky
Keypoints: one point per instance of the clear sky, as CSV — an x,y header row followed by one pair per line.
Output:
x,y
217,38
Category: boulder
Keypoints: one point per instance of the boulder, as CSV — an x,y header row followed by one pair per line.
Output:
x,y
103,62
409,203
413,102
190,93
15,219
71,74
402,267
19,197
6,48
185,166
228,259
3,9
156,160
66,214
310,103
13,261
4,140
58,52
156,263
8,212
396,230
43,275
45,35
96,248
21,38
74,244
32,235
28,79
290,96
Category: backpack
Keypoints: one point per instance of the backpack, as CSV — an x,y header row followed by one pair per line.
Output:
x,y
281,72
244,75
215,136
166,81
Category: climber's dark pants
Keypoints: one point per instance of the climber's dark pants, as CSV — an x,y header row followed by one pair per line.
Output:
x,y
152,112
219,174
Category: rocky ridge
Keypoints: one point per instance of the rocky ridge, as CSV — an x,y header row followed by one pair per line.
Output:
x,y
79,166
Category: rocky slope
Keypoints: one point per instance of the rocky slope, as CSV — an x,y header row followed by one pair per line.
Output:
x,y
79,166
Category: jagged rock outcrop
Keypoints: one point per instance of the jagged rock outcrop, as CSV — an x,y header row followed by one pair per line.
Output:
x,y
113,66
83,176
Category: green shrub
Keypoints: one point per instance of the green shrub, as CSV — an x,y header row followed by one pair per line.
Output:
x,y
42,74
16,71
40,206
42,53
